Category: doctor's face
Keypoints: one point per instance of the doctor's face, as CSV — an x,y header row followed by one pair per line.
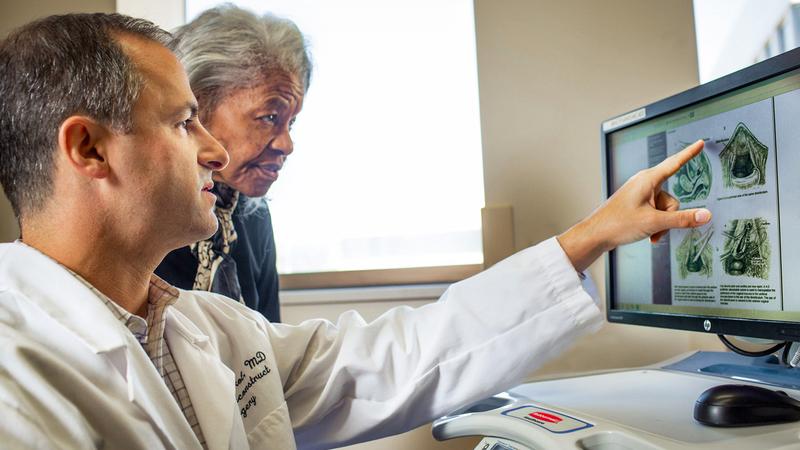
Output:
x,y
164,165
253,124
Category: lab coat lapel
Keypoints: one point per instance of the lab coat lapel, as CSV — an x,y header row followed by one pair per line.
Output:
x,y
67,300
62,296
208,381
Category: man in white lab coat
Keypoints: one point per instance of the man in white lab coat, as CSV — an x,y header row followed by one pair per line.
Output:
x,y
108,169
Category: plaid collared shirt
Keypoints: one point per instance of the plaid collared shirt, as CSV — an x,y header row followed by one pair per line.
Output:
x,y
150,334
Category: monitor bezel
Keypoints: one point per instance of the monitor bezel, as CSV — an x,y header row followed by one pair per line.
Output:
x,y
759,328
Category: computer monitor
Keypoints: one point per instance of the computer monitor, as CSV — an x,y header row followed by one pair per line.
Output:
x,y
739,274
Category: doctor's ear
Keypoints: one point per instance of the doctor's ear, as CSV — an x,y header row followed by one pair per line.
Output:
x,y
81,141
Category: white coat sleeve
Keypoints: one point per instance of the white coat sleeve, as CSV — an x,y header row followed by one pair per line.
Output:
x,y
354,381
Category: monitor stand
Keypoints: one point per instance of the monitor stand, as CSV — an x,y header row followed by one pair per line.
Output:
x,y
764,370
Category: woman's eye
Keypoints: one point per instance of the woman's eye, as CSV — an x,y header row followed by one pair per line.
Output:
x,y
185,123
271,118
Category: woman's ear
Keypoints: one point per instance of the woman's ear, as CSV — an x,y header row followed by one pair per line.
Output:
x,y
80,141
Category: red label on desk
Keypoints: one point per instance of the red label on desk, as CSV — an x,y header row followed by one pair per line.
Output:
x,y
547,417
552,421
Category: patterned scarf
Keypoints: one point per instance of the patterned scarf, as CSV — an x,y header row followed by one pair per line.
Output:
x,y
216,269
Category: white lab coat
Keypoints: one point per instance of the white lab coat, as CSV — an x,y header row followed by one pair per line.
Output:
x,y
72,376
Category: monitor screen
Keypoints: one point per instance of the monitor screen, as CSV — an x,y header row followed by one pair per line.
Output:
x,y
739,274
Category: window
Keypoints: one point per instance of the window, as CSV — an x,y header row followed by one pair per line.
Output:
x,y
733,34
387,169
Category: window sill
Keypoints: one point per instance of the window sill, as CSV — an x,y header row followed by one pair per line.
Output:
x,y
363,294
372,278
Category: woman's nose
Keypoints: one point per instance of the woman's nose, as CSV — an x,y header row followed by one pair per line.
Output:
x,y
283,143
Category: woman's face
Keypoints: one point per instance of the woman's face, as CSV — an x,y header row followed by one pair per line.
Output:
x,y
253,125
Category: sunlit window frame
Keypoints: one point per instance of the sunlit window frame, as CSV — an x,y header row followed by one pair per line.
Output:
x,y
378,277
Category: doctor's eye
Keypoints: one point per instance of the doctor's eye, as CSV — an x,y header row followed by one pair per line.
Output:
x,y
185,124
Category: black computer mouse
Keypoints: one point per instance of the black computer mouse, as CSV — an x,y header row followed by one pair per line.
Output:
x,y
740,405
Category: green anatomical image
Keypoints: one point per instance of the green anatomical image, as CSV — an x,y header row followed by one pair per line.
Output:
x,y
695,254
693,180
746,250
744,159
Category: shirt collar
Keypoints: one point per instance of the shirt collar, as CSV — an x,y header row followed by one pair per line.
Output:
x,y
160,295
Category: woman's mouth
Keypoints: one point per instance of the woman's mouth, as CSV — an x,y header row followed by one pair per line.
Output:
x,y
269,170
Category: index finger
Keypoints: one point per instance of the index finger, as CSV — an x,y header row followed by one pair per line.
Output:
x,y
669,166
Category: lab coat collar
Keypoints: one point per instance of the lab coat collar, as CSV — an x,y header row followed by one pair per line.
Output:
x,y
70,302
209,383
61,295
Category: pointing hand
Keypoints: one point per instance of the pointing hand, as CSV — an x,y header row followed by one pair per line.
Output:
x,y
637,210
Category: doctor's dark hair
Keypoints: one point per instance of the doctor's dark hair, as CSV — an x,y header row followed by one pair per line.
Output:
x,y
51,69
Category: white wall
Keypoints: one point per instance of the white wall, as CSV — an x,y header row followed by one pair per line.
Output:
x,y
168,14
9,230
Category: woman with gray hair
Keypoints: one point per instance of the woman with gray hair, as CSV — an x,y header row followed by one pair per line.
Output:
x,y
249,74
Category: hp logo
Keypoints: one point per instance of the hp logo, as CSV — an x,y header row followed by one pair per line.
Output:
x,y
707,325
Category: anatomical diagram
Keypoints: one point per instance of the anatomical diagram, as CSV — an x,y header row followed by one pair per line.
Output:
x,y
694,255
746,250
744,159
693,180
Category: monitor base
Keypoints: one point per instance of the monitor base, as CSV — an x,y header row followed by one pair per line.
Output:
x,y
764,370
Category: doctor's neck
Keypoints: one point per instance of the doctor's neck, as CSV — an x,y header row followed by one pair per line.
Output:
x,y
119,267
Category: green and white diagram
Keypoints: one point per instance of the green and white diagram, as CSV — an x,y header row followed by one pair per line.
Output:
x,y
743,159
693,179
745,261
695,254
746,249
732,262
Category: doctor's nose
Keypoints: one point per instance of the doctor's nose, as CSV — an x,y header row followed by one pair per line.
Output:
x,y
212,155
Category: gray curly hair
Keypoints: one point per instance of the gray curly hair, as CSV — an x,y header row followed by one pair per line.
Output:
x,y
228,48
